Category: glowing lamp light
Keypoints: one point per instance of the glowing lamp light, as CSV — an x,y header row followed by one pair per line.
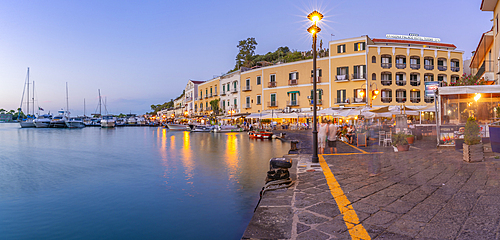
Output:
x,y
314,29
315,16
361,94
376,91
477,96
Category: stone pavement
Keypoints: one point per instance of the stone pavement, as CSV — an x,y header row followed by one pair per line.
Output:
x,y
425,193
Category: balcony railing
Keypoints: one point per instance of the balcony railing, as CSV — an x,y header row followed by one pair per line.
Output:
x,y
292,103
319,79
400,65
272,104
234,90
415,66
206,96
342,101
271,84
386,65
455,69
415,82
210,95
400,82
223,93
386,99
246,88
293,82
359,100
400,99
189,99
248,105
358,76
442,68
386,82
215,94
429,99
320,102
415,99
342,77
429,67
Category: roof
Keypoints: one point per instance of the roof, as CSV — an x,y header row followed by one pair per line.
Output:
x,y
381,40
481,49
488,5
196,82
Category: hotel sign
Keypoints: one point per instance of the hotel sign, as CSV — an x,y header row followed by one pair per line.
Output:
x,y
430,87
413,37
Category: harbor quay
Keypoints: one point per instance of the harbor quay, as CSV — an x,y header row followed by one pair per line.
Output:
x,y
375,193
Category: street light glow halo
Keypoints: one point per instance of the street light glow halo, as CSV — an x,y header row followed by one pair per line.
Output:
x,y
314,29
315,16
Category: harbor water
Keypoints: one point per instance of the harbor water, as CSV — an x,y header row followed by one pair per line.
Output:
x,y
129,183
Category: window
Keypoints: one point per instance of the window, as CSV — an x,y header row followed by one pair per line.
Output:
x,y
454,65
442,78
201,106
247,82
341,48
293,100
235,103
234,84
318,75
258,80
442,64
400,79
428,63
206,93
206,105
342,73
223,104
414,79
319,96
386,78
386,61
273,102
223,88
415,96
374,59
359,95
293,78
201,94
454,78
386,95
228,85
359,72
359,46
258,100
341,97
400,62
215,90
247,99
374,76
415,62
272,78
210,91
400,95
428,77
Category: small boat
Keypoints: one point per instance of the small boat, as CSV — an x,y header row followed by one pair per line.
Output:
x,y
260,134
75,122
43,121
177,127
121,121
132,121
108,121
27,123
202,128
59,121
227,128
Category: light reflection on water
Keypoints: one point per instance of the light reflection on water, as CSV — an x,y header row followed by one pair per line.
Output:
x,y
132,183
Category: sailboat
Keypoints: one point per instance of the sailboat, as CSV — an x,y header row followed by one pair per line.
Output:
x,y
108,120
28,122
72,122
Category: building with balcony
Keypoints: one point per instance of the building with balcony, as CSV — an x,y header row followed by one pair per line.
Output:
x,y
191,95
485,63
230,91
347,76
207,91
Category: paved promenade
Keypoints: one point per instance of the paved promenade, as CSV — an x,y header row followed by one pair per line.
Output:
x,y
374,193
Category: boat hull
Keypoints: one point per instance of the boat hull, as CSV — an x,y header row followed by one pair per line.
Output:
x,y
177,127
260,135
75,124
108,124
42,124
27,124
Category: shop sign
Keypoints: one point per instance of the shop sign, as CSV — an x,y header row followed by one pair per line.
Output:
x,y
413,37
430,87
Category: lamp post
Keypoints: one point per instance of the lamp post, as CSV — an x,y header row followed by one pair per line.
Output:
x,y
314,17
373,95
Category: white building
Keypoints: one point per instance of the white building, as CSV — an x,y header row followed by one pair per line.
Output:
x,y
230,92
190,96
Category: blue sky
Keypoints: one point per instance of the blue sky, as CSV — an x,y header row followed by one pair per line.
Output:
x,y
143,52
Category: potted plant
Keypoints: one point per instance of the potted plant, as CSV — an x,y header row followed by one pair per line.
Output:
x,y
410,138
473,147
400,141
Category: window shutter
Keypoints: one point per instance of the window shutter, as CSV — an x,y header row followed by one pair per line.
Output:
x,y
364,46
390,59
338,49
312,73
320,94
347,71
297,75
338,71
290,76
320,72
355,70
338,94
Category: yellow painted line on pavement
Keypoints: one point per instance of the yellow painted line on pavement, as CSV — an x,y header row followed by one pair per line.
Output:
x,y
344,154
356,230
363,151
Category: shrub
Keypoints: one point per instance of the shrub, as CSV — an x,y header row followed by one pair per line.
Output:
x,y
471,134
399,139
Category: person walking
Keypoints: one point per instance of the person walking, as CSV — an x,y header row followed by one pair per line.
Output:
x,y
322,132
332,136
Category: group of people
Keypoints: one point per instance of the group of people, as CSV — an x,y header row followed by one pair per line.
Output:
x,y
328,133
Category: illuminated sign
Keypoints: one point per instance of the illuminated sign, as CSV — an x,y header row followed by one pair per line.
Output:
x,y
430,87
413,36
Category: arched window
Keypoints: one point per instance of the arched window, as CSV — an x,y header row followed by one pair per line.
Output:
x,y
386,95
374,59
374,76
400,95
386,78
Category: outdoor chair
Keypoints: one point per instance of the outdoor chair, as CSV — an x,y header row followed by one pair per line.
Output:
x,y
388,139
381,138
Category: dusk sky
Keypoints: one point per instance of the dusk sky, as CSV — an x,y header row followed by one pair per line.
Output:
x,y
143,52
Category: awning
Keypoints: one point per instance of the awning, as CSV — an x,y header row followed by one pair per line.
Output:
x,y
469,89
288,93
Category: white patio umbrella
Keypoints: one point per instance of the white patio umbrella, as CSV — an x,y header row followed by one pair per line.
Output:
x,y
329,111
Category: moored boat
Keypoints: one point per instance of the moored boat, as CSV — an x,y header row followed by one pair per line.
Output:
x,y
59,121
202,128
108,121
260,134
227,128
177,127
42,121
27,123
75,122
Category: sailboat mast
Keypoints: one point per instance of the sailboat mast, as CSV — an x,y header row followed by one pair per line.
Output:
x,y
100,113
28,100
33,98
67,102
84,107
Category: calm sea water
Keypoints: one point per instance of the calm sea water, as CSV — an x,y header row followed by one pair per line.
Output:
x,y
129,183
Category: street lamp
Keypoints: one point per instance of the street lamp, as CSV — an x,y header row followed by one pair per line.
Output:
x,y
314,17
373,95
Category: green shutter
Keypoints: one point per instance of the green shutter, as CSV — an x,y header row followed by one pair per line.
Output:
x,y
355,70
320,72
297,76
338,71
290,76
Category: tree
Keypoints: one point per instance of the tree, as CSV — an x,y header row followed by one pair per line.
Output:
x,y
2,110
215,106
246,52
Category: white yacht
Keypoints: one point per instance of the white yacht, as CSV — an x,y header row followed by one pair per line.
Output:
x,y
132,120
108,121
59,121
42,121
75,122
28,123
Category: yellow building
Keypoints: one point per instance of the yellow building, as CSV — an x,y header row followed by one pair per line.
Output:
x,y
355,67
207,91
